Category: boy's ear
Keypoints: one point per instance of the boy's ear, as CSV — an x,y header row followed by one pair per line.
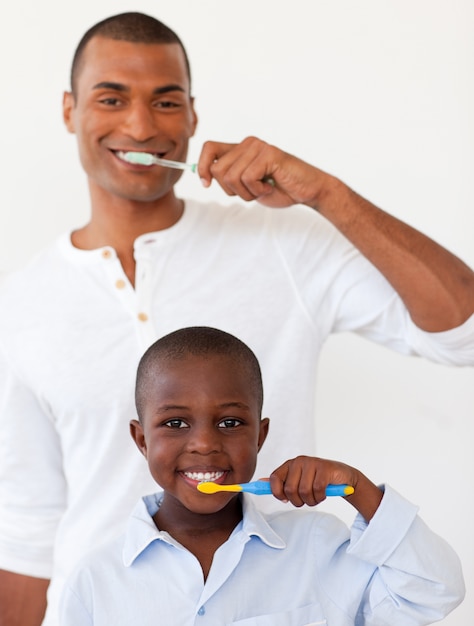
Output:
x,y
262,435
136,430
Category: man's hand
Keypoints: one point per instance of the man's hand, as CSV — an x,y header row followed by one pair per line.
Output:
x,y
255,170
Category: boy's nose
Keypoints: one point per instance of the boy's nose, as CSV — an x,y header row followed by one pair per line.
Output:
x,y
204,441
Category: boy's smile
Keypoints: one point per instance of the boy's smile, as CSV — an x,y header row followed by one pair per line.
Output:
x,y
201,421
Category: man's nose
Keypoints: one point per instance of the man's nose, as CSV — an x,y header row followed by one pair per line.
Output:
x,y
140,123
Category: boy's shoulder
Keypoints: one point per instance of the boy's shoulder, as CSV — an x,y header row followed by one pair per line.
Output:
x,y
290,525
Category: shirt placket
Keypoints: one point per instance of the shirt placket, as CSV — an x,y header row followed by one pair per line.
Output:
x,y
137,301
144,259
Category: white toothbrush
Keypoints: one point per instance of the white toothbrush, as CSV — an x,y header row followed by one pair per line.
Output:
x,y
145,158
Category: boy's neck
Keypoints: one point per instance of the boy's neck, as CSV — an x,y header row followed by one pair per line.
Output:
x,y
201,534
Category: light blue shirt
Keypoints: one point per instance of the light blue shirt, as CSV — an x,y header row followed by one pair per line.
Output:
x,y
290,568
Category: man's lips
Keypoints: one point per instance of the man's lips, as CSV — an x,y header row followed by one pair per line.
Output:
x,y
122,155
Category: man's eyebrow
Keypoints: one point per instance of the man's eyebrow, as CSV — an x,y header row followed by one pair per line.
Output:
x,y
123,88
109,85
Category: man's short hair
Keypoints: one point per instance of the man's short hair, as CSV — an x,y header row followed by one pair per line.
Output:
x,y
200,341
132,26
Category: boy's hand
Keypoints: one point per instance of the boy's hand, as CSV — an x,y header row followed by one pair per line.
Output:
x,y
303,480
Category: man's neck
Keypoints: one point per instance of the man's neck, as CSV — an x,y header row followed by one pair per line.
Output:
x,y
117,223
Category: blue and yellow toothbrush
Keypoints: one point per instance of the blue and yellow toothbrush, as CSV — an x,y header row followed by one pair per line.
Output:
x,y
262,488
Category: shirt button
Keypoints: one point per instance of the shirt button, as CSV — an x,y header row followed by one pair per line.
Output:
x,y
143,317
106,254
120,284
201,611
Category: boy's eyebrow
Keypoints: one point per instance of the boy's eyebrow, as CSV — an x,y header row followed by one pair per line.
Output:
x,y
170,407
238,405
105,84
181,407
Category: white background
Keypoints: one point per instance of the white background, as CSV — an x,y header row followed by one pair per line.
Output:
x,y
378,93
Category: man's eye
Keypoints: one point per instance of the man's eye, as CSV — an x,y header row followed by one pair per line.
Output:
x,y
176,423
114,102
166,104
230,422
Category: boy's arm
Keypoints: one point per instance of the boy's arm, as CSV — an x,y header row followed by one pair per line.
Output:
x,y
403,572
417,575
22,599
303,480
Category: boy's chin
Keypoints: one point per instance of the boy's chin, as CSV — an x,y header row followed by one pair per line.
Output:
x,y
214,504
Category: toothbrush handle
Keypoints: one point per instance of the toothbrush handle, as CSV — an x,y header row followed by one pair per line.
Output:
x,y
339,490
262,487
258,487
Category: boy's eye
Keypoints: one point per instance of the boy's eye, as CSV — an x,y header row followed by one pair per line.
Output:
x,y
176,423
229,422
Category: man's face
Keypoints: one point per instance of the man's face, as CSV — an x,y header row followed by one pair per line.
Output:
x,y
201,422
131,97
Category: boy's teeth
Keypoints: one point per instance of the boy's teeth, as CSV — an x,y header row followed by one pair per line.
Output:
x,y
200,476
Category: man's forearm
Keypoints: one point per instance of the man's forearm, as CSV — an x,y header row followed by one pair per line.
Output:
x,y
22,599
435,285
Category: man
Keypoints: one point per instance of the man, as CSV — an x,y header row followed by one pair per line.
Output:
x,y
74,324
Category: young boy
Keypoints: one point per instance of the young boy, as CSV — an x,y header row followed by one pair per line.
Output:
x,y
192,558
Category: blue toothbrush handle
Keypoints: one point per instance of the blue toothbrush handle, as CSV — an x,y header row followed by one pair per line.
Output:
x,y
262,488
339,490
258,487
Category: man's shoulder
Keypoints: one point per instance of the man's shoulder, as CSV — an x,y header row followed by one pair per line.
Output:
x,y
25,288
238,216
37,268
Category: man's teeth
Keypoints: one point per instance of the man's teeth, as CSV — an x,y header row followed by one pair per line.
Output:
x,y
200,476
122,155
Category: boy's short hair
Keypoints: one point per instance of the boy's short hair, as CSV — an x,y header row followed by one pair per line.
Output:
x,y
196,341
131,26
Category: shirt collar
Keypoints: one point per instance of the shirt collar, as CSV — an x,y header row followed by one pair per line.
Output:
x,y
141,530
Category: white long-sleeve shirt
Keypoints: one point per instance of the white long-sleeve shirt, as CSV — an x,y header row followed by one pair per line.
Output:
x,y
283,569
72,330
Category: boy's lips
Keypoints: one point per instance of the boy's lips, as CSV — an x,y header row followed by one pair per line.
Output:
x,y
205,475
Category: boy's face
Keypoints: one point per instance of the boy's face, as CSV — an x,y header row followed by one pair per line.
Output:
x,y
130,97
201,422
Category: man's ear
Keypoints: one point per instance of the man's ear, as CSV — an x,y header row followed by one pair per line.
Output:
x,y
68,108
262,435
195,118
136,430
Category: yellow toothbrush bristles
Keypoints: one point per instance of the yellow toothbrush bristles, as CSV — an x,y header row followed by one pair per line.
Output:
x,y
210,487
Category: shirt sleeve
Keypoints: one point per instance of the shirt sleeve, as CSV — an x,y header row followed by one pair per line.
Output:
x,y
72,611
32,485
418,577
343,292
